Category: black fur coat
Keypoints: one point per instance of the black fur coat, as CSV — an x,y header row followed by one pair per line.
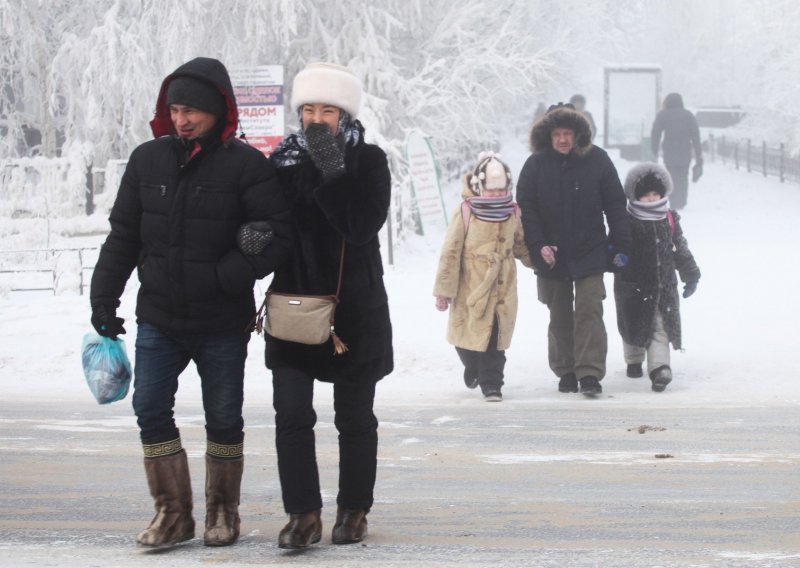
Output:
x,y
353,207
649,282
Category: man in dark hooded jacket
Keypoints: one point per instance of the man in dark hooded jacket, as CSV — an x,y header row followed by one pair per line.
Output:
x,y
200,216
681,135
566,188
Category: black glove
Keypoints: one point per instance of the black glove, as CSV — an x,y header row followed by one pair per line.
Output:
x,y
689,288
697,171
106,322
326,150
251,238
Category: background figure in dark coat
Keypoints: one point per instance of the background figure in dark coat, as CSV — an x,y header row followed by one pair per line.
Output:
x,y
185,200
681,136
646,290
579,102
339,188
568,189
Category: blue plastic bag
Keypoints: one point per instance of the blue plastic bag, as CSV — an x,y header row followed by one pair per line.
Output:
x,y
106,367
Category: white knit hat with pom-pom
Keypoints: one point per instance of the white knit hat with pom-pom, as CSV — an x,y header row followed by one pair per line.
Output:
x,y
490,173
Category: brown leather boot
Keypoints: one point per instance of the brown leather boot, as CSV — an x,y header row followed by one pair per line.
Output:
x,y
223,486
171,488
301,531
350,527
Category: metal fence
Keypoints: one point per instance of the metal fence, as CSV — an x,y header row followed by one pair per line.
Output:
x,y
42,270
759,158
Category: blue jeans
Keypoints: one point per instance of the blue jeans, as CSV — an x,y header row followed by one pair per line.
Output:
x,y
161,358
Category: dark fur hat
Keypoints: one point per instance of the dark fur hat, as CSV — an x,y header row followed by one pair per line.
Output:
x,y
561,116
645,177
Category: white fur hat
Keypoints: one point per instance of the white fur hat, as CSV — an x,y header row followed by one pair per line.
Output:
x,y
327,83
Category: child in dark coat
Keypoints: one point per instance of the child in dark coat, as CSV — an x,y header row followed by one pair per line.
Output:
x,y
646,290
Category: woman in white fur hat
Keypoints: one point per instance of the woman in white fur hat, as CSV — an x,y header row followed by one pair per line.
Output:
x,y
477,274
339,188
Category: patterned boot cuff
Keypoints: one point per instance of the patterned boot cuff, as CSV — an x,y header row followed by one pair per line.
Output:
x,y
224,451
162,449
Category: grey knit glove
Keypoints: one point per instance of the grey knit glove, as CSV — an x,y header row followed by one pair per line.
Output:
x,y
326,150
251,238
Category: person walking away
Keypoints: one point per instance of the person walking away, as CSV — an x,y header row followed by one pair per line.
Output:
x,y
477,274
568,190
646,290
681,138
339,189
200,216
579,102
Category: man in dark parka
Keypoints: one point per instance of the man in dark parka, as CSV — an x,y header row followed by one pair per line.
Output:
x,y
566,188
194,215
681,138
339,190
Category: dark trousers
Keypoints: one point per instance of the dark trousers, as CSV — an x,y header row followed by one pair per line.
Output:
x,y
576,337
680,185
293,397
487,365
161,358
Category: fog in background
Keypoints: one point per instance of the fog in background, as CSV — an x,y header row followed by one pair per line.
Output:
x,y
79,78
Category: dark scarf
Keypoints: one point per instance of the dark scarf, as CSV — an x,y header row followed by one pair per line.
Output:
x,y
492,209
294,150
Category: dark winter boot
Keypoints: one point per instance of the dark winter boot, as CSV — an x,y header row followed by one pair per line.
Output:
x,y
634,370
223,485
301,531
470,377
568,383
661,377
350,527
170,486
590,385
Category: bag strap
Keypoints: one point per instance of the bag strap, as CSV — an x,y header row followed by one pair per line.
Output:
x,y
341,271
671,221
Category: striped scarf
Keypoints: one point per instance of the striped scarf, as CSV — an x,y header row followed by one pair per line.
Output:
x,y
492,209
294,150
649,211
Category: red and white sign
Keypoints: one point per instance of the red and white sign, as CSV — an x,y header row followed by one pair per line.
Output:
x,y
259,95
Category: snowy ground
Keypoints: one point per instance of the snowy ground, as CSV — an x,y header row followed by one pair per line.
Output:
x,y
739,354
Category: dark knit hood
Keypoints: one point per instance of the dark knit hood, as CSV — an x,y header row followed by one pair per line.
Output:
x,y
205,69
639,171
673,100
561,117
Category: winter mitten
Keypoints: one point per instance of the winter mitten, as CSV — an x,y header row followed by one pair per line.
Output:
x,y
251,238
442,303
620,260
326,151
689,288
106,322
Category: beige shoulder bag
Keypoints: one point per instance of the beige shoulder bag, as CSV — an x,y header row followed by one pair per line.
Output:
x,y
302,318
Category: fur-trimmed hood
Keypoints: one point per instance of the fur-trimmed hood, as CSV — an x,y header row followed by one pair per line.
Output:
x,y
561,117
637,172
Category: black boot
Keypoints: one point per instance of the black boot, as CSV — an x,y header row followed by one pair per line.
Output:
x,y
590,385
634,370
568,383
661,377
